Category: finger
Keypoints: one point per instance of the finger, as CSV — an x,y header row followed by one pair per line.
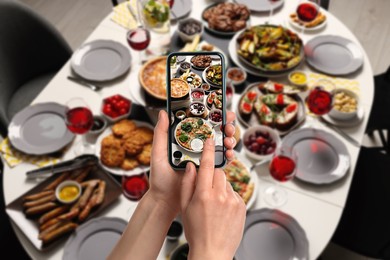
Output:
x,y
230,191
206,168
230,117
230,155
160,139
219,181
230,129
229,142
187,185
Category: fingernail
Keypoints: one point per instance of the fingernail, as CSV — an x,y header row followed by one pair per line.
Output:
x,y
160,115
210,141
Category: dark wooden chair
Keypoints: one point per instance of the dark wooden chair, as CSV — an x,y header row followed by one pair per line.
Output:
x,y
31,53
364,226
379,119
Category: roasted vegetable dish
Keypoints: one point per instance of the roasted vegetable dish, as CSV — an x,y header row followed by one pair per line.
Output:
x,y
268,47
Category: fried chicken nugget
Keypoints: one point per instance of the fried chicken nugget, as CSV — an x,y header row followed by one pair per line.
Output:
x,y
112,154
133,145
145,134
144,156
123,127
129,164
110,139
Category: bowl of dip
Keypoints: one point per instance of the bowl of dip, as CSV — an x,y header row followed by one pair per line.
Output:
x,y
298,78
68,191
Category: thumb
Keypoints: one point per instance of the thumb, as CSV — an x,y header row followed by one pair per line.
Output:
x,y
187,185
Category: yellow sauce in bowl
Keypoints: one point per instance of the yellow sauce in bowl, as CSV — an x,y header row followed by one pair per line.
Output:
x,y
298,78
69,193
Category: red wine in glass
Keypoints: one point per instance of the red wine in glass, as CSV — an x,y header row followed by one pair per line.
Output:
x,y
171,2
135,186
307,11
282,168
138,38
319,101
79,120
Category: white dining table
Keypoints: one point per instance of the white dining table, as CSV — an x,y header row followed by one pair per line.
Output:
x,y
317,208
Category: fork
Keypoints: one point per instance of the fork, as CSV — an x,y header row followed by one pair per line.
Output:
x,y
85,83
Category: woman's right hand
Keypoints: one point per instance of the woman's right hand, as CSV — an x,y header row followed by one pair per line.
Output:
x,y
213,214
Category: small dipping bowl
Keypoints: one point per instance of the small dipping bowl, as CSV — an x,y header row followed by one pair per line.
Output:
x,y
298,78
180,114
197,95
205,87
68,192
212,116
197,108
175,231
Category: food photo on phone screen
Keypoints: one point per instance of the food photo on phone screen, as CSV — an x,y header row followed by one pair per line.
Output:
x,y
196,103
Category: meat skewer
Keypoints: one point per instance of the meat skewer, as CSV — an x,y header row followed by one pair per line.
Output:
x,y
57,181
52,214
62,230
40,201
41,208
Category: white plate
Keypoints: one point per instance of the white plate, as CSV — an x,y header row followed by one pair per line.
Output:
x,y
95,239
254,179
311,29
346,123
117,170
261,5
204,122
101,60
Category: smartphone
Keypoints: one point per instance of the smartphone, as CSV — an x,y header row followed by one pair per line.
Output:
x,y
196,104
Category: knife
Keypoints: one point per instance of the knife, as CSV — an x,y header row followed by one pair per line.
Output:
x,y
76,163
341,132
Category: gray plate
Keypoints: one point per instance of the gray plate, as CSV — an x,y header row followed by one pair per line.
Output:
x,y
181,8
40,129
94,239
101,60
333,55
272,235
260,5
322,158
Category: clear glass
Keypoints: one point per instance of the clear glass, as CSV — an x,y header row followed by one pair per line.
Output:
x,y
320,99
79,120
155,17
282,168
307,11
134,186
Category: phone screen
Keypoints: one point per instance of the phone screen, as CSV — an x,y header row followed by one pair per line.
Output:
x,y
196,104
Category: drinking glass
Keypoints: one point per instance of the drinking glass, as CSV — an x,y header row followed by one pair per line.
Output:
x,y
134,186
307,11
79,120
139,37
282,168
155,17
271,10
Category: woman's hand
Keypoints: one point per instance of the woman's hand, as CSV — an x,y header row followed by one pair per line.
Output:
x,y
164,181
213,214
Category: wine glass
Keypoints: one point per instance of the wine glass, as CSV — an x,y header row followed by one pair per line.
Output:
x,y
271,10
307,11
79,120
134,186
282,168
139,37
